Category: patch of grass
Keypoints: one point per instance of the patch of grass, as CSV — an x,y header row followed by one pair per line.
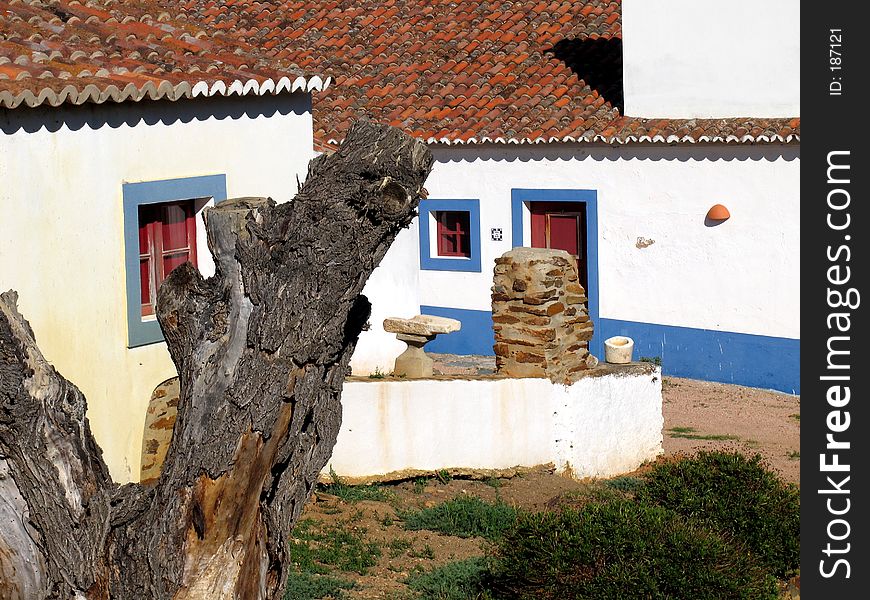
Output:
x,y
465,516
443,476
387,521
398,547
420,485
461,580
656,360
317,549
794,455
309,586
377,374
682,429
796,417
619,550
493,482
736,495
426,552
355,493
690,434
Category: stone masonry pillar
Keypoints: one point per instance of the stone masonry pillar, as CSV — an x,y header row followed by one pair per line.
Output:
x,y
539,315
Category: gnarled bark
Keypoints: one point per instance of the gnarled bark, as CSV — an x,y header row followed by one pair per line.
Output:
x,y
261,348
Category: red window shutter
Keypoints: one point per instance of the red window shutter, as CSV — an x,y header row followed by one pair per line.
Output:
x,y
453,233
167,239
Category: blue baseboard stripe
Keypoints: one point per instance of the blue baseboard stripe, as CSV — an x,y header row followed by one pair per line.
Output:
x,y
752,360
744,359
475,337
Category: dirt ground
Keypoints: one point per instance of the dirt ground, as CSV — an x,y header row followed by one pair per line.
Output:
x,y
747,419
698,415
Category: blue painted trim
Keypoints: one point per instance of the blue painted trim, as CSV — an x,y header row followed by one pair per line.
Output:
x,y
753,360
475,337
435,263
590,197
139,332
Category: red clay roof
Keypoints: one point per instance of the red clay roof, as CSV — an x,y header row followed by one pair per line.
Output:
x,y
448,72
55,51
465,72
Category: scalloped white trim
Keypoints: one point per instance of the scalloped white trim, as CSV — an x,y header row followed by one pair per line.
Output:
x,y
164,89
614,140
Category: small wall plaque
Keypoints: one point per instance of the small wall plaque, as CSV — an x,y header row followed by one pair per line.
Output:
x,y
495,233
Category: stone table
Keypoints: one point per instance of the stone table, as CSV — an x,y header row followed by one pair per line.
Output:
x,y
416,332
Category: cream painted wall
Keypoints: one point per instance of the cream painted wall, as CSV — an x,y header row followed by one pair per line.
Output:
x,y
741,276
62,227
711,58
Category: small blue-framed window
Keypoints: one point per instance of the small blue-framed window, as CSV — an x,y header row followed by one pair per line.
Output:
x,y
466,256
146,330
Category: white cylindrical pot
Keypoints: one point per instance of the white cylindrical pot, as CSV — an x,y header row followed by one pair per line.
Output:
x,y
618,349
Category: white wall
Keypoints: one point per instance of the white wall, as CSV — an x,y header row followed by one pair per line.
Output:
x,y
62,243
711,58
394,291
741,276
598,427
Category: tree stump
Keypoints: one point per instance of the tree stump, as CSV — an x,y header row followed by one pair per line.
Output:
x,y
261,348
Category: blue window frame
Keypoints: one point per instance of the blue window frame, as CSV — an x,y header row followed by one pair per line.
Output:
x,y
429,259
520,199
147,331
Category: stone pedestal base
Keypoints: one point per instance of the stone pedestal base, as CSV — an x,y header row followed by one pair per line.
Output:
x,y
413,362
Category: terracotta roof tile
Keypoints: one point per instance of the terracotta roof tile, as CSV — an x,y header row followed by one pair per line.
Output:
x,y
520,71
54,51
446,71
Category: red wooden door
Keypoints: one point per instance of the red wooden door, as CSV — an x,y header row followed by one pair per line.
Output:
x,y
561,225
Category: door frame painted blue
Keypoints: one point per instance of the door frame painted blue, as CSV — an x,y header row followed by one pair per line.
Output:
x,y
520,197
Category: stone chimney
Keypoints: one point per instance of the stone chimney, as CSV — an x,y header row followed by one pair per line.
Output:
x,y
539,314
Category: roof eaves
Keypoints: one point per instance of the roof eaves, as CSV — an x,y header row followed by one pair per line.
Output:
x,y
164,90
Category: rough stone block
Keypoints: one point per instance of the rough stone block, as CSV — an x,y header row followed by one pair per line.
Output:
x,y
539,315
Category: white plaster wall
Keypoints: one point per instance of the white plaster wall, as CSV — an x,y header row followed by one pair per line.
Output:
x,y
711,58
597,427
741,276
394,291
62,244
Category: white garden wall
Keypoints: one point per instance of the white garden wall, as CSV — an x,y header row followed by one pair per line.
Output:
x,y
711,58
600,426
62,242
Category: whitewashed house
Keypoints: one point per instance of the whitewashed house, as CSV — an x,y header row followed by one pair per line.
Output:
x,y
118,125
607,128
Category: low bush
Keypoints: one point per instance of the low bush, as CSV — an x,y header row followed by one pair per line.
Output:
x,y
465,516
736,495
310,586
319,548
460,580
619,550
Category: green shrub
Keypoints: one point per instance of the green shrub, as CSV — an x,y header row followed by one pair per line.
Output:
x,y
621,550
737,495
308,586
318,548
624,483
465,516
460,580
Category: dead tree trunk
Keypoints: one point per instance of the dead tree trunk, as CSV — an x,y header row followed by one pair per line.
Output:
x,y
261,348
